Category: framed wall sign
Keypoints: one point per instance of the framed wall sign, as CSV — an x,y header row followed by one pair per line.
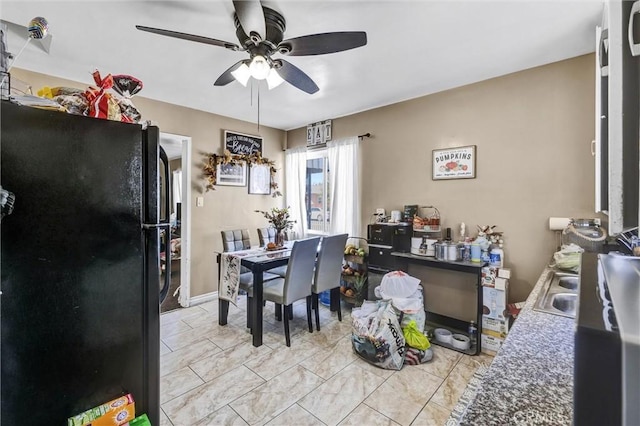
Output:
x,y
318,133
241,144
259,179
232,174
454,163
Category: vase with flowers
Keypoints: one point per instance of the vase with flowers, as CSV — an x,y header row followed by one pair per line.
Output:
x,y
280,219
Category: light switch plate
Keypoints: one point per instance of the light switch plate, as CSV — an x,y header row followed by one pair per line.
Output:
x,y
199,201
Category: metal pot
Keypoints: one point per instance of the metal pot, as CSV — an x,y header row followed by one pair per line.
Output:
x,y
441,250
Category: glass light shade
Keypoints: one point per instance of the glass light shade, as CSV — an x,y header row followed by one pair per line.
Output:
x,y
242,74
274,79
259,68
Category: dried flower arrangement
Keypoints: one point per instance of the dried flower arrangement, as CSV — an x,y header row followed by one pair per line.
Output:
x,y
278,218
212,161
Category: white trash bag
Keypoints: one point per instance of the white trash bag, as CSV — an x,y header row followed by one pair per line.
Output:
x,y
405,294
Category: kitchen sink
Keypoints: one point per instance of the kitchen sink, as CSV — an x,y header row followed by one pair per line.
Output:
x,y
559,295
570,283
565,302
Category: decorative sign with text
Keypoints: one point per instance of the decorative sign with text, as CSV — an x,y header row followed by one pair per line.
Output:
x,y
318,133
241,144
454,163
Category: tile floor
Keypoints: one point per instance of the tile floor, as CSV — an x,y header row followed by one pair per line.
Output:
x,y
212,375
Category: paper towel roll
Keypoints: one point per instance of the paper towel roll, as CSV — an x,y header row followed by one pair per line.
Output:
x,y
558,223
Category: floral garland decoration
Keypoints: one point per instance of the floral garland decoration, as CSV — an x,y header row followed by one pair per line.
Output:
x,y
211,166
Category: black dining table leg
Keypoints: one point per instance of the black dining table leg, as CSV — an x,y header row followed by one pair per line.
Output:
x,y
223,305
257,308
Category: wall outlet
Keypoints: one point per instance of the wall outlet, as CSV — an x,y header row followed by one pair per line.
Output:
x,y
380,211
597,221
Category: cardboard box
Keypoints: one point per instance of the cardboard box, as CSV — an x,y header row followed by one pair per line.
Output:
x,y
490,344
494,303
494,327
113,413
489,274
504,273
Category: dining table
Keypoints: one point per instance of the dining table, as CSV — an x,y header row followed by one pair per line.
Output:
x,y
260,261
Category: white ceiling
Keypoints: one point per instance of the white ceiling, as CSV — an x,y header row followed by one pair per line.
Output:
x,y
414,48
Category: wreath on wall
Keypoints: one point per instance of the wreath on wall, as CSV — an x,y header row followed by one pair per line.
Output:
x,y
211,166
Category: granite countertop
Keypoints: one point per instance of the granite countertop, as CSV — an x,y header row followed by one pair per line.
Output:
x,y
530,381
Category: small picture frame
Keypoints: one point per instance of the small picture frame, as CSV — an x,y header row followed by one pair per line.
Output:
x,y
259,179
454,163
231,174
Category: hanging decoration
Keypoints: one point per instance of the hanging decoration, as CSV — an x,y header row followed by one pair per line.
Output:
x,y
212,160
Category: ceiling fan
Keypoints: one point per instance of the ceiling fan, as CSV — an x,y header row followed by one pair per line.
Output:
x,y
260,31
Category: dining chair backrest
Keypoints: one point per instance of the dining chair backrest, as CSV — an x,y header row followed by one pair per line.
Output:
x,y
297,282
235,240
329,265
266,236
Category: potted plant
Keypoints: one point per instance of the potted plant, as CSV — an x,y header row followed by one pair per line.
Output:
x,y
280,220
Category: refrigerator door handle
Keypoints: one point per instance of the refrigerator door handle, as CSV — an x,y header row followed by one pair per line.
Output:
x,y
165,223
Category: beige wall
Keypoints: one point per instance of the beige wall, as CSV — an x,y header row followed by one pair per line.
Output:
x,y
533,131
226,207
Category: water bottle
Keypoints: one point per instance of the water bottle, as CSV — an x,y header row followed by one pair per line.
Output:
x,y
473,333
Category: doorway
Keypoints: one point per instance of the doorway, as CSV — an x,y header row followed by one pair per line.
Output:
x,y
178,150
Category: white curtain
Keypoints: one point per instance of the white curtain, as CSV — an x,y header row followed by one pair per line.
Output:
x,y
344,184
296,173
177,189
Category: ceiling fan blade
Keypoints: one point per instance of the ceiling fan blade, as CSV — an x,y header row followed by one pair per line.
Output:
x,y
226,77
320,44
296,77
251,17
190,37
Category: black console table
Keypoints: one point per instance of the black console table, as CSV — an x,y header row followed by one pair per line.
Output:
x,y
436,320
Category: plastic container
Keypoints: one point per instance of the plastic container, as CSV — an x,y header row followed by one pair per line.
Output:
x,y
325,297
442,335
496,257
476,252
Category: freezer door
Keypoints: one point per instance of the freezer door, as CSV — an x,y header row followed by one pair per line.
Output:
x,y
77,327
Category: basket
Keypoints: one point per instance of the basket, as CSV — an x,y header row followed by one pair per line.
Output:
x,y
427,221
590,238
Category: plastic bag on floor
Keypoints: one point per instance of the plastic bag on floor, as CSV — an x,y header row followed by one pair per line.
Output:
x,y
377,336
414,337
405,293
416,356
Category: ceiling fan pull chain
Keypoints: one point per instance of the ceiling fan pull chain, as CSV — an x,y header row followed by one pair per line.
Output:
x,y
258,107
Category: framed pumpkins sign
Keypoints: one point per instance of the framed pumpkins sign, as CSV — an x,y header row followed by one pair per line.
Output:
x,y
454,163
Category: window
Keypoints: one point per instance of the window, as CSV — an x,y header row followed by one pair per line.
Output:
x,y
316,198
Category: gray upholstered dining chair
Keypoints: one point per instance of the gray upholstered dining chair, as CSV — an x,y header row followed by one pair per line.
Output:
x,y
328,270
296,284
239,239
266,236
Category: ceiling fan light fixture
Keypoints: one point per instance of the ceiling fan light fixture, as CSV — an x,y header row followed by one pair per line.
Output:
x,y
259,67
242,74
274,79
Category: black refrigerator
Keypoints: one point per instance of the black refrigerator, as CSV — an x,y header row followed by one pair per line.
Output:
x,y
80,265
